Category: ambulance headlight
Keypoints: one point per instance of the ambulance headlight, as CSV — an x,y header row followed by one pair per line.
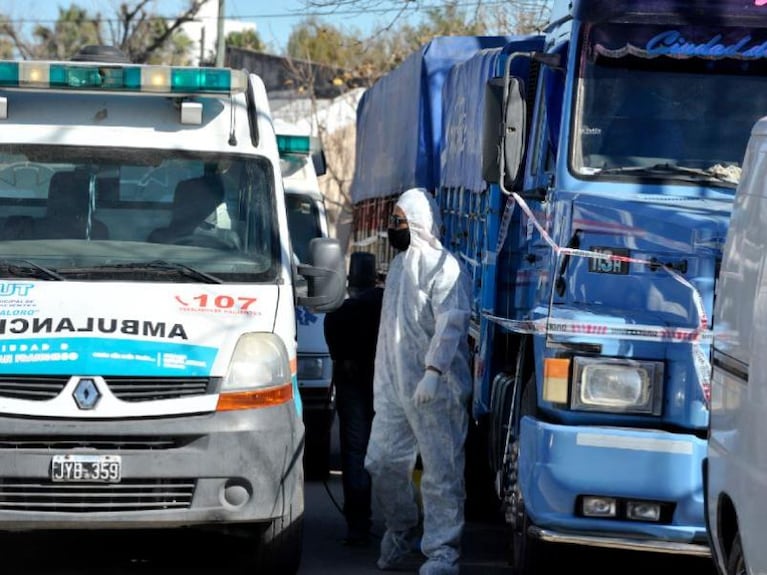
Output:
x,y
259,360
617,385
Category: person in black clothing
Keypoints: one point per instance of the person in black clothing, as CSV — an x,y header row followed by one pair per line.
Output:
x,y
351,332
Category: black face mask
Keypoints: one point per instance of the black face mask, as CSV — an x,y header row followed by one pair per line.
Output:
x,y
399,238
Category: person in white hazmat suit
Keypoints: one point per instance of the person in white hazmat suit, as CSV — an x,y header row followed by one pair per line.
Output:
x,y
421,388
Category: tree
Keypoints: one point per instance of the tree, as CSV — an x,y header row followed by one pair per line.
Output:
x,y
248,39
316,41
142,34
519,17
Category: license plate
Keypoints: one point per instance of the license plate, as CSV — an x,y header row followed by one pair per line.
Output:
x,y
82,468
604,265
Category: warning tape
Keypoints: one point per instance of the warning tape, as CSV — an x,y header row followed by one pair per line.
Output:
x,y
634,331
701,334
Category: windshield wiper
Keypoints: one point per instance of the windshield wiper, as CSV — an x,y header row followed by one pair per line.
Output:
x,y
670,169
26,268
186,270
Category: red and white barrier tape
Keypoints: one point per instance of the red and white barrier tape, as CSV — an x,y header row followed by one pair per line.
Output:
x,y
551,326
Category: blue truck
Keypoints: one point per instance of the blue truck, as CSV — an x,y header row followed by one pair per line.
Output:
x,y
586,177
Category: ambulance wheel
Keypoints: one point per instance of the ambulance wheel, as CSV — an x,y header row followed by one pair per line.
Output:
x,y
280,543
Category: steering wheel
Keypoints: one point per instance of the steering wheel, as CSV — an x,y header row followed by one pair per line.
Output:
x,y
205,241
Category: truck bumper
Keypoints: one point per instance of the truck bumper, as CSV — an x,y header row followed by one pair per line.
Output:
x,y
560,464
216,468
315,387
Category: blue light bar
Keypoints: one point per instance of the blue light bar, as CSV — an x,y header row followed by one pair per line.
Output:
x,y
171,80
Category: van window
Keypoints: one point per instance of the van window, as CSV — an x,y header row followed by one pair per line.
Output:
x,y
304,223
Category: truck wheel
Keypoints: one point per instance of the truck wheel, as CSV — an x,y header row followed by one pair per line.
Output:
x,y
279,544
526,557
736,563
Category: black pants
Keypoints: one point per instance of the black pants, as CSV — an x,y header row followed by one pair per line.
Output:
x,y
354,403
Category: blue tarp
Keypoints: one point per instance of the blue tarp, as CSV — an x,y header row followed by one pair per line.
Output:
x,y
463,108
399,119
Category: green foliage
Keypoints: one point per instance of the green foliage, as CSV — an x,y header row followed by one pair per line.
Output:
x,y
316,41
366,59
249,40
141,34
73,29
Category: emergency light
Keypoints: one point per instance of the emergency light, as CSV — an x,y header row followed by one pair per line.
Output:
x,y
171,80
293,144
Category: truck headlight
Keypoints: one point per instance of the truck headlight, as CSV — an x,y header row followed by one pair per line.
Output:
x,y
311,367
259,360
617,385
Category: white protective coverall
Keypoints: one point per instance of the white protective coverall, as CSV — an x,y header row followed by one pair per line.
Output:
x,y
424,322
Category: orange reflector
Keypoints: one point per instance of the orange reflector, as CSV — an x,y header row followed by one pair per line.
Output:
x,y
255,398
556,375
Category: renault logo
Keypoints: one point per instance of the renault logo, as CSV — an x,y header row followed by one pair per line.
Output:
x,y
86,393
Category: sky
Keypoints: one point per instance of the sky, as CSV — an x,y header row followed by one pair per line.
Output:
x,y
274,19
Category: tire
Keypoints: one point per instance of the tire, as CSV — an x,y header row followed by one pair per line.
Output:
x,y
736,562
526,556
525,551
279,545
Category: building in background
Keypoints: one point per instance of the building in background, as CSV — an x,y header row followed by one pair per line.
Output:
x,y
203,31
324,99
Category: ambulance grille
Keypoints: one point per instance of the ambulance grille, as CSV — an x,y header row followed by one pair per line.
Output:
x,y
137,389
118,443
133,389
126,496
32,387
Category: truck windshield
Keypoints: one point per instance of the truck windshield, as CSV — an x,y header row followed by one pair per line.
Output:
x,y
665,116
137,215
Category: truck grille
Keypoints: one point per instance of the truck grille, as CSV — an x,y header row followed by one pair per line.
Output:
x,y
128,495
133,389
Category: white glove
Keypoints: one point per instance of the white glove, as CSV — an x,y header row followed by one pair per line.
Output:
x,y
426,388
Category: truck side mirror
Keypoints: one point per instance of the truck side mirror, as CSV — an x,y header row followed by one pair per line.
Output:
x,y
504,131
326,276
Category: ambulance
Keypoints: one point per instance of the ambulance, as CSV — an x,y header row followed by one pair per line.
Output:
x,y
148,368
302,160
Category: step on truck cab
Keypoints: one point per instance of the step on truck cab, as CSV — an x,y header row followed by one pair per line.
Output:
x,y
302,160
147,305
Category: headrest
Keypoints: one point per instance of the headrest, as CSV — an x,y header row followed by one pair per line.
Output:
x,y
196,198
68,194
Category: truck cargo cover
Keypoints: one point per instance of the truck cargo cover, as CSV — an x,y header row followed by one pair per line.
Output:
x,y
399,119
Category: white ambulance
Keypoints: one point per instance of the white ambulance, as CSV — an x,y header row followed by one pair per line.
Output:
x,y
147,304
302,160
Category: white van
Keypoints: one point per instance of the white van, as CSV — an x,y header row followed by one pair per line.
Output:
x,y
147,305
302,161
735,471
